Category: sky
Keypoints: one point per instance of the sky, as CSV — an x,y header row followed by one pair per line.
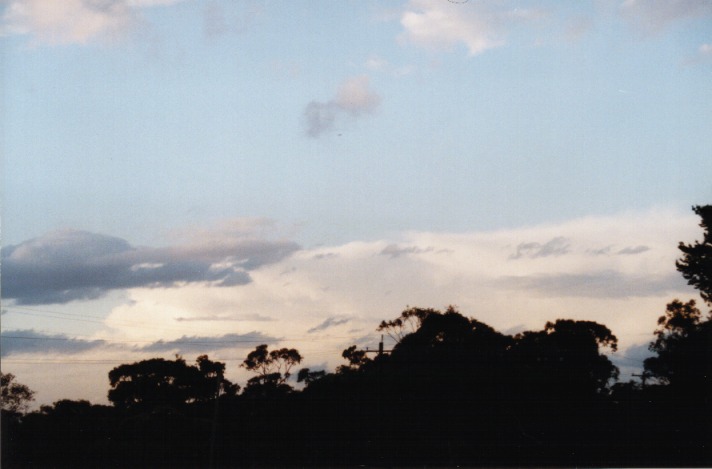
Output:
x,y
189,177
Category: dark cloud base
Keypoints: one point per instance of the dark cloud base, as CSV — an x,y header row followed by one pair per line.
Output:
x,y
29,341
75,265
198,344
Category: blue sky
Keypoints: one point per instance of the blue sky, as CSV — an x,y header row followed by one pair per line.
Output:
x,y
172,160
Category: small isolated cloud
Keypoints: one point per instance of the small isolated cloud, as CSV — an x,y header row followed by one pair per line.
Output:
x,y
354,98
73,21
29,341
654,16
703,54
555,247
77,265
329,322
198,344
394,250
478,26
376,63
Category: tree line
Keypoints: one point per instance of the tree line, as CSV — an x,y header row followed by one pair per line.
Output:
x,y
451,391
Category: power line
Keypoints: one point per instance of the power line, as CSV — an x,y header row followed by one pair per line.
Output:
x,y
98,320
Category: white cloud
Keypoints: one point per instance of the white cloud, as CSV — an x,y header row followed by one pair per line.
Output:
x,y
653,16
478,26
618,270
73,21
354,98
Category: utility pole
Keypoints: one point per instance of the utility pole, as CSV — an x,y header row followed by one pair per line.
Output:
x,y
380,350
643,377
216,415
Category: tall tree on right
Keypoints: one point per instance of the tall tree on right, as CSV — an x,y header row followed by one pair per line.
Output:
x,y
696,262
683,344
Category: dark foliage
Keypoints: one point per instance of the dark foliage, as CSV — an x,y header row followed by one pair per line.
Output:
x,y
14,396
454,391
170,383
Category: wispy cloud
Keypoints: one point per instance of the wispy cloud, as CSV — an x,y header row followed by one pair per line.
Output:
x,y
394,250
74,21
219,318
77,265
328,323
555,247
354,98
632,250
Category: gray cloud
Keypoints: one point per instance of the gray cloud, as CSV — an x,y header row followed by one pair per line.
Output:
x,y
554,247
328,255
631,359
329,322
354,99
196,344
630,250
394,251
606,284
76,265
600,252
626,251
30,341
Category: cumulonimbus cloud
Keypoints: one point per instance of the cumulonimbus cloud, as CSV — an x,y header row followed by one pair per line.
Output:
x,y
74,265
354,98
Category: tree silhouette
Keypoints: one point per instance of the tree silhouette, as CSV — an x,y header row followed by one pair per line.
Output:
x,y
683,343
15,397
408,322
160,382
683,347
696,262
273,369
566,357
